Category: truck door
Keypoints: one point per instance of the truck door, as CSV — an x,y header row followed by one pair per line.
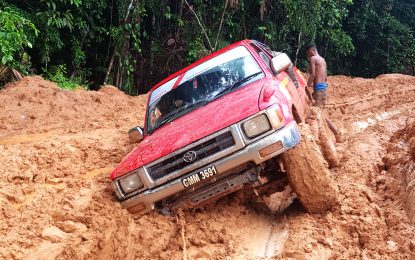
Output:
x,y
290,88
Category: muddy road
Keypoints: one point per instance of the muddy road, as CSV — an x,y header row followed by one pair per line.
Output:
x,y
58,147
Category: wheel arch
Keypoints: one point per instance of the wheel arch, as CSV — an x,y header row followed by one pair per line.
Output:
x,y
296,115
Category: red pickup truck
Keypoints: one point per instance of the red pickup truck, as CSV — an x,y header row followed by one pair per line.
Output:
x,y
215,127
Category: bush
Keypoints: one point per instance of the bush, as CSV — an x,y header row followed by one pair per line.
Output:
x,y
59,76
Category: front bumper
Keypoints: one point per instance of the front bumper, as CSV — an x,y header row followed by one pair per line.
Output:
x,y
286,138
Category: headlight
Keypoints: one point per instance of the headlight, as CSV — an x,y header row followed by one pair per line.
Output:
x,y
256,126
131,183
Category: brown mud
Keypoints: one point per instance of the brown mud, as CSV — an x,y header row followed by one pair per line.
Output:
x,y
57,148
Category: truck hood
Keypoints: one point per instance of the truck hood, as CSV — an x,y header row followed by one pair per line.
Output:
x,y
218,114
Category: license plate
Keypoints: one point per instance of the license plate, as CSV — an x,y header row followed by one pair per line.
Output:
x,y
202,175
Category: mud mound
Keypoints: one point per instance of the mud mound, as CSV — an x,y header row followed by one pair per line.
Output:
x,y
409,167
32,81
395,77
110,90
370,222
400,162
410,136
351,96
57,148
34,105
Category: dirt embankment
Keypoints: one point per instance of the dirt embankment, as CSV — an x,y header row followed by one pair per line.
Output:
x,y
58,147
400,164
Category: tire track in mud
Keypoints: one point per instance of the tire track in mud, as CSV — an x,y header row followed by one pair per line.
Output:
x,y
275,241
265,238
349,97
18,139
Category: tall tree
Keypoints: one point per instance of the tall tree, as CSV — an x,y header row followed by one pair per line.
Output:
x,y
383,44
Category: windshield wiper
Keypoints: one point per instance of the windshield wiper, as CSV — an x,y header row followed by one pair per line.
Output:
x,y
170,117
236,84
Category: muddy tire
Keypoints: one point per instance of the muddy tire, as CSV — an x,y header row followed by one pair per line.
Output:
x,y
308,174
323,136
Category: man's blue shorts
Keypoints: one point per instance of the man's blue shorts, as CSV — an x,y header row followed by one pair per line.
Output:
x,y
320,86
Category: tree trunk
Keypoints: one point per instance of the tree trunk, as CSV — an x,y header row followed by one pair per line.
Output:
x,y
220,24
107,73
298,48
180,17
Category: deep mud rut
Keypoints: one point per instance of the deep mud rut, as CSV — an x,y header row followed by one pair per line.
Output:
x,y
58,147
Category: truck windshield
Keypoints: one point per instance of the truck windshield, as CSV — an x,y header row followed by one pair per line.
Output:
x,y
200,85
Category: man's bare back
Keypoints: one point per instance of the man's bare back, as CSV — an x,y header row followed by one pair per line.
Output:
x,y
318,68
318,64
318,80
318,76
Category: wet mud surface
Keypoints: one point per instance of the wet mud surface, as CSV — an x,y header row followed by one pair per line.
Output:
x,y
58,147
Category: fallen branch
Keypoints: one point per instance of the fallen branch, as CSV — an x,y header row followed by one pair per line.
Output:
x,y
221,22
200,24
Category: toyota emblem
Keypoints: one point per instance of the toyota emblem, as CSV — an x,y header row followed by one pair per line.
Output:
x,y
190,156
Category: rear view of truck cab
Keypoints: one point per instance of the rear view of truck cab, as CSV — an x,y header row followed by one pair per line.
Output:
x,y
211,129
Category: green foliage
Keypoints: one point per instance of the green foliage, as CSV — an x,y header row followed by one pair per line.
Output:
x,y
59,76
196,50
16,34
133,44
383,44
78,55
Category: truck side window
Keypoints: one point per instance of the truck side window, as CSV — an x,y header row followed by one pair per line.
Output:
x,y
259,47
266,48
263,56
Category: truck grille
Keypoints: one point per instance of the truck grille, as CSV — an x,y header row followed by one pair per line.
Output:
x,y
203,150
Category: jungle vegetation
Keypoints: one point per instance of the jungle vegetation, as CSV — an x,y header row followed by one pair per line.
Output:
x,y
133,44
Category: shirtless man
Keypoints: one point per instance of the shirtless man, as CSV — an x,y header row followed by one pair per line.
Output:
x,y
318,76
318,80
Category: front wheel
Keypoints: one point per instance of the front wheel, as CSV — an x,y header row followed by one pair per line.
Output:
x,y
308,174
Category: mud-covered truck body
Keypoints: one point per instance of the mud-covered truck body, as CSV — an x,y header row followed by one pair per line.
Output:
x,y
211,127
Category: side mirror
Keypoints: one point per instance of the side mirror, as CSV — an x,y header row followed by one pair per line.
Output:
x,y
135,134
280,63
